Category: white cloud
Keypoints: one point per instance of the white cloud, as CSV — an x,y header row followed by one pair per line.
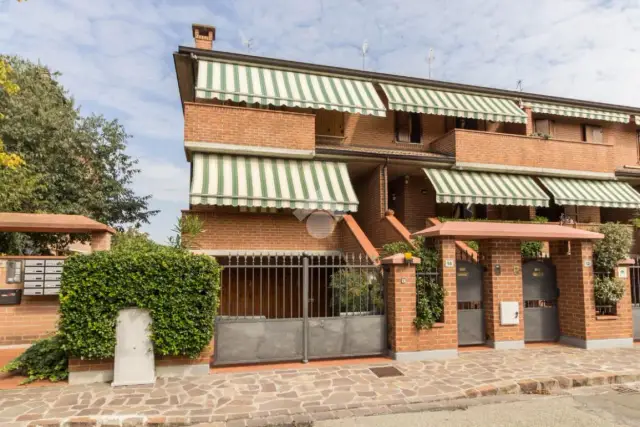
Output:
x,y
115,55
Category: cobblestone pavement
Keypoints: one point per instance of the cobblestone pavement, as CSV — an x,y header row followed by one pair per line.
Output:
x,y
282,396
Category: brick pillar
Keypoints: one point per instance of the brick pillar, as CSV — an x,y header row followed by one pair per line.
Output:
x,y
100,241
502,287
530,127
405,341
579,325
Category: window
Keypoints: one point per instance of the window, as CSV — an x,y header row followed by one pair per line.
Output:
x,y
408,127
543,127
638,146
329,123
592,133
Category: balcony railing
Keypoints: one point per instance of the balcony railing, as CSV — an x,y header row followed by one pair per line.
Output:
x,y
503,149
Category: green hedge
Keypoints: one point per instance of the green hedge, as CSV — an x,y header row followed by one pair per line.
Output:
x,y
180,290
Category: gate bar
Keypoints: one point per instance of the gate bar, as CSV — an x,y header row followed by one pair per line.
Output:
x,y
305,310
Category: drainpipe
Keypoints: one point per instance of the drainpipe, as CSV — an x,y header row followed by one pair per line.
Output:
x,y
386,186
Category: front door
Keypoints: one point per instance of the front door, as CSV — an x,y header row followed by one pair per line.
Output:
x,y
540,293
470,308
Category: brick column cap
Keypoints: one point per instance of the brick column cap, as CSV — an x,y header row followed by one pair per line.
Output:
x,y
628,261
398,259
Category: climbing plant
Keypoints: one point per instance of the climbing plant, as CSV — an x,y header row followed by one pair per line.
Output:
x,y
429,291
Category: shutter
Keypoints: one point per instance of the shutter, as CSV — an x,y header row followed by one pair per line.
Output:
x,y
402,126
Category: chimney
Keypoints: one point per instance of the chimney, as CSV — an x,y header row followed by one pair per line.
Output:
x,y
203,35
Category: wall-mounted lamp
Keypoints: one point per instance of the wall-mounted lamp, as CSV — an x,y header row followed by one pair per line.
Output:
x,y
406,179
497,269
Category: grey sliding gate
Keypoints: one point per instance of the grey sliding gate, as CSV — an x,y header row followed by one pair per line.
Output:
x,y
634,274
471,329
540,294
291,307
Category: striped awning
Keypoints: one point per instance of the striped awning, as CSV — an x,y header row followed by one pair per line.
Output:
x,y
266,86
457,104
256,182
584,113
485,188
585,192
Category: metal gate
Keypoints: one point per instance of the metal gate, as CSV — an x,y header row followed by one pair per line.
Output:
x,y
634,274
471,328
294,307
540,294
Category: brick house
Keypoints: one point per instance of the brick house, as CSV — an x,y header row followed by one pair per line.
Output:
x,y
295,165
390,152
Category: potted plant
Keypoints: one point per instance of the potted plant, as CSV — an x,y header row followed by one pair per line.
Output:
x,y
356,292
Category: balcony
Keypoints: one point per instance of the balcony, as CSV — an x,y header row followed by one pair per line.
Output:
x,y
469,146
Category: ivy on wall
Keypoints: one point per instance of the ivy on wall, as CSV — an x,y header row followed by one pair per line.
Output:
x,y
180,290
429,291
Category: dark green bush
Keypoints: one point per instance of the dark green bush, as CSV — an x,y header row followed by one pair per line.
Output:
x,y
44,360
180,290
356,290
615,246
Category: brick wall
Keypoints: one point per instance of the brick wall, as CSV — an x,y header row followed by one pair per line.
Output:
x,y
371,190
415,201
625,141
255,231
35,318
372,131
576,303
401,308
517,150
248,126
506,286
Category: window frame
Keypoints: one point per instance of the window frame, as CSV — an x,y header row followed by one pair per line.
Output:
x,y
411,117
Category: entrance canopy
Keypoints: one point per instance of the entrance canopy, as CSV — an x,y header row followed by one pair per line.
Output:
x,y
485,188
257,182
475,230
585,192
50,223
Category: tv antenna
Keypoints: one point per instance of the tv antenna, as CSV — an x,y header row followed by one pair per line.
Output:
x,y
364,50
519,86
430,59
246,42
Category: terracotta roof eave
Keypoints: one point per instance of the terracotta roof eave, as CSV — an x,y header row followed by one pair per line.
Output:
x,y
385,155
50,223
380,77
507,231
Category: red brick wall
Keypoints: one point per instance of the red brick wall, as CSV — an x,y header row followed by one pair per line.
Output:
x,y
35,318
411,205
401,308
372,131
371,191
576,304
254,231
513,150
507,286
248,126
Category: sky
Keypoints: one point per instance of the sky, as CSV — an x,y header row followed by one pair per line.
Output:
x,y
115,56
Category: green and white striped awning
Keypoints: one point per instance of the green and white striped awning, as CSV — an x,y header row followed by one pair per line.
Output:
x,y
584,113
256,182
266,86
457,104
485,188
585,192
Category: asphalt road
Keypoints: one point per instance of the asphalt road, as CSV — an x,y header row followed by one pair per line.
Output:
x,y
593,406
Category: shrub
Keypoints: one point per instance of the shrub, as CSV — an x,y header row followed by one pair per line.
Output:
x,y
531,249
356,290
613,248
44,360
473,245
608,290
180,290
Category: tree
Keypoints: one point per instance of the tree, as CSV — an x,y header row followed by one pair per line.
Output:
x,y
73,164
